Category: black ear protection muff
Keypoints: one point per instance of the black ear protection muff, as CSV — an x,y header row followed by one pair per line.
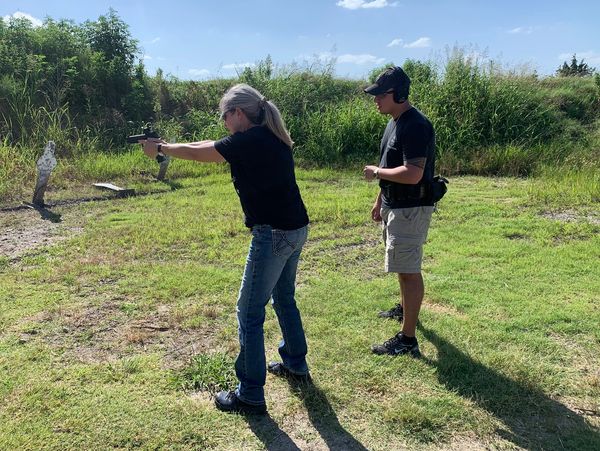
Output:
x,y
400,94
395,79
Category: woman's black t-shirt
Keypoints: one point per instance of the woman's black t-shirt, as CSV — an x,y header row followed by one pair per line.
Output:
x,y
262,171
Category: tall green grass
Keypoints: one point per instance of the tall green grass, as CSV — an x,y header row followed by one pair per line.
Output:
x,y
558,186
16,170
341,133
26,124
487,121
573,180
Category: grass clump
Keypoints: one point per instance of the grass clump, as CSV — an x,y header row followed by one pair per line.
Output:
x,y
208,372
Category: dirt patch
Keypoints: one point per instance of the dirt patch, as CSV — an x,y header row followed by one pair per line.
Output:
x,y
26,230
572,216
444,309
100,333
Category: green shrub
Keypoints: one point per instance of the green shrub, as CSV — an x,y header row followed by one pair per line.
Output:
x,y
79,86
342,133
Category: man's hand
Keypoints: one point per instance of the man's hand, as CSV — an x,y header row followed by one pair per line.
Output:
x,y
369,172
376,210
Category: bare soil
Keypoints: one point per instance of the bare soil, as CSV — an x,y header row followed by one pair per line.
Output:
x,y
24,230
572,216
94,333
106,333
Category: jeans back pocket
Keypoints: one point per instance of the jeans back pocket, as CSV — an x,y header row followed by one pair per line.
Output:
x,y
285,242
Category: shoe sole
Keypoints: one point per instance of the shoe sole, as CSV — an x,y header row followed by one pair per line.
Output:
x,y
394,317
414,353
241,410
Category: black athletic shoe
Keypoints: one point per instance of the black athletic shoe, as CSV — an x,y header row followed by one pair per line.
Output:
x,y
227,401
395,312
395,346
278,369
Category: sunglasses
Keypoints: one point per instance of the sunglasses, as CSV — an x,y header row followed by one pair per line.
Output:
x,y
225,113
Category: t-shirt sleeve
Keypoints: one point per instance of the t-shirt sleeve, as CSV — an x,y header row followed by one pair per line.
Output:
x,y
415,140
232,147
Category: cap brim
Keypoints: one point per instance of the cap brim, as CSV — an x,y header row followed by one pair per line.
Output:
x,y
375,89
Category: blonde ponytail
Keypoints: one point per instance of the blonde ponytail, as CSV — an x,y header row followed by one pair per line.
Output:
x,y
257,108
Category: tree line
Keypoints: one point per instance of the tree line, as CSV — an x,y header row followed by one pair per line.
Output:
x,y
93,69
86,87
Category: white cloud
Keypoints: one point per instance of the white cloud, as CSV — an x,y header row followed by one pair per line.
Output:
x,y
146,57
362,4
591,57
21,15
198,72
395,42
322,57
154,41
347,58
419,43
521,30
359,59
235,66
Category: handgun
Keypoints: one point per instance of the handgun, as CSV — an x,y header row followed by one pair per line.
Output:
x,y
148,132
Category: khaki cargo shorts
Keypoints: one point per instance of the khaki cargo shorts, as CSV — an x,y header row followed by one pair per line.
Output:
x,y
404,232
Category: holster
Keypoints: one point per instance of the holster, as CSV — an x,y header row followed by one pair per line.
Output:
x,y
397,192
425,192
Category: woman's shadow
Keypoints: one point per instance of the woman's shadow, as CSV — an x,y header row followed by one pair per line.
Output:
x,y
320,414
532,419
268,432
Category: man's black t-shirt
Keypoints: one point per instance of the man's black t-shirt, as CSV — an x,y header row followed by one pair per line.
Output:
x,y
262,171
410,136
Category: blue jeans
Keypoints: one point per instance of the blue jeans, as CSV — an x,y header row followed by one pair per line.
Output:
x,y
270,271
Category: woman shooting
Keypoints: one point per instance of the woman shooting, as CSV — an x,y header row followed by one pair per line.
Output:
x,y
259,152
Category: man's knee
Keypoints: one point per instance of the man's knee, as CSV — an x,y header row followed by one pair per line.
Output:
x,y
410,277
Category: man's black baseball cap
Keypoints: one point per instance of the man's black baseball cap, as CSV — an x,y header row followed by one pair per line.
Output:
x,y
393,78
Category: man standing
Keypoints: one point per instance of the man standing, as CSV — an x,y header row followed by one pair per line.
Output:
x,y
404,205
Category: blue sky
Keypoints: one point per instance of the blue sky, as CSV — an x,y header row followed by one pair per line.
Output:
x,y
207,39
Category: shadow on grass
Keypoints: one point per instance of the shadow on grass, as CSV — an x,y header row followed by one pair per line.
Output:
x,y
320,414
48,215
173,185
532,419
323,417
269,433
43,210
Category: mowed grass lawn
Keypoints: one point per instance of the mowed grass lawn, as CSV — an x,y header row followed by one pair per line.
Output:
x,y
115,335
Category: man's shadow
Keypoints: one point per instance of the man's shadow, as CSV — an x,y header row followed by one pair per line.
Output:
x,y
320,414
533,420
